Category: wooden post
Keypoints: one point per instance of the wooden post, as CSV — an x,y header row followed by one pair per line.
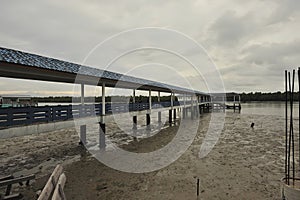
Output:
x,y
52,181
82,127
198,186
102,128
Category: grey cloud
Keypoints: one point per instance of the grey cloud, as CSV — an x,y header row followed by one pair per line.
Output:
x,y
230,28
246,41
283,11
273,55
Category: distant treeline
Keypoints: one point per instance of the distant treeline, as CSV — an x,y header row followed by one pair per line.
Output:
x,y
252,96
67,99
259,96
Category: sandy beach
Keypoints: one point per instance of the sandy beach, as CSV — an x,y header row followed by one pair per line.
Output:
x,y
246,163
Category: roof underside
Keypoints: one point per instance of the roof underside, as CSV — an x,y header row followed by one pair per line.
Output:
x,y
18,64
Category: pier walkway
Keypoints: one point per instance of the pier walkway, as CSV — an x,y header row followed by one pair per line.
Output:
x,y
22,65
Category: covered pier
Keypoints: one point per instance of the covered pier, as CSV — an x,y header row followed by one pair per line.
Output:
x,y
222,101
22,65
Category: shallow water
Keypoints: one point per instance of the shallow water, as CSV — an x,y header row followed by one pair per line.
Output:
x,y
268,108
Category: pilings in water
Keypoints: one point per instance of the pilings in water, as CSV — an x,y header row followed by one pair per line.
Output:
x,y
290,183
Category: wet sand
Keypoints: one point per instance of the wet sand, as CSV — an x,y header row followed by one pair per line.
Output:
x,y
246,163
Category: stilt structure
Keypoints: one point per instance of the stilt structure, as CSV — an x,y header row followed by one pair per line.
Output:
x,y
290,189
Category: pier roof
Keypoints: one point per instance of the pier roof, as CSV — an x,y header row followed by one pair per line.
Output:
x,y
18,64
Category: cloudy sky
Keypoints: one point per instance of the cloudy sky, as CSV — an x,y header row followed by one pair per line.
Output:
x,y
250,42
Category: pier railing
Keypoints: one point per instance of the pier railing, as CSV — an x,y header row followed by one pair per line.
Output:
x,y
29,115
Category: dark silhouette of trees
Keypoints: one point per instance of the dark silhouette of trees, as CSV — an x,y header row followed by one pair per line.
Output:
x,y
259,96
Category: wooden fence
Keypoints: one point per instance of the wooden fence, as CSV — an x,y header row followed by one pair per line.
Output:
x,y
29,115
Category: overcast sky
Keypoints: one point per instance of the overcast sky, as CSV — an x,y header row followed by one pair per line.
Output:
x,y
251,42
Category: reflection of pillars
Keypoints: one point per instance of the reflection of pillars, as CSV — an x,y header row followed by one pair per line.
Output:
x,y
134,119
102,128
82,127
159,113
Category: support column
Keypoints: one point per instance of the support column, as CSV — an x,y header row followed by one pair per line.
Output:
x,y
192,107
134,118
148,120
234,103
174,115
197,106
82,127
149,111
159,112
170,116
174,110
184,108
102,128
170,111
240,107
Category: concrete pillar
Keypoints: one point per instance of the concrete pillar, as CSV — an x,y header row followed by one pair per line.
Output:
x,y
184,106
170,111
159,113
134,118
102,128
82,127
174,115
82,135
82,94
196,106
149,111
192,108
172,103
148,119
150,100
